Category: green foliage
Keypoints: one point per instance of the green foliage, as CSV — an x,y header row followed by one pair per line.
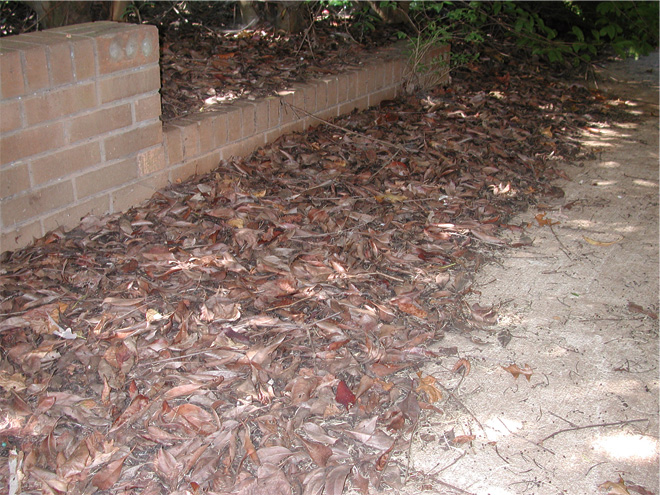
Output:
x,y
578,31
560,32
437,24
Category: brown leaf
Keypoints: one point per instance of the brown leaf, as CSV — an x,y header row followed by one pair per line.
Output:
x,y
542,221
618,488
459,439
410,306
516,371
427,386
167,467
344,395
636,308
462,364
335,479
108,476
131,413
318,452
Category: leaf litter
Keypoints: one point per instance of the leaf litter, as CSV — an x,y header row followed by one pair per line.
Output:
x,y
260,329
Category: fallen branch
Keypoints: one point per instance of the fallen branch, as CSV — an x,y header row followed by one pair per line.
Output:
x,y
599,425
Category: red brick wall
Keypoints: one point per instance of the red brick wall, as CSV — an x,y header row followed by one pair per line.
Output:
x,y
80,131
79,109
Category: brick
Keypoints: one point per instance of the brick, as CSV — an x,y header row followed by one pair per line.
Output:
x,y
298,101
329,113
287,99
377,72
332,84
196,167
84,59
19,236
274,106
234,122
383,94
387,73
173,144
147,108
398,70
30,142
352,85
10,115
310,98
36,68
271,136
135,193
261,115
364,83
36,202
106,178
342,88
11,74
62,163
90,29
362,103
150,161
247,118
131,141
14,180
70,217
125,85
295,126
189,137
128,48
205,131
219,121
61,64
321,89
99,122
347,107
243,148
56,104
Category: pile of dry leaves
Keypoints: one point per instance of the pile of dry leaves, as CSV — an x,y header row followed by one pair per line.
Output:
x,y
205,65
259,330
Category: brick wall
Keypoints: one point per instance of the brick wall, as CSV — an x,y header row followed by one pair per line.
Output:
x,y
80,130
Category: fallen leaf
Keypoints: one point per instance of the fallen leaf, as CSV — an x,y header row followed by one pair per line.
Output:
x,y
427,386
516,371
542,221
636,308
109,475
344,395
612,488
601,243
462,364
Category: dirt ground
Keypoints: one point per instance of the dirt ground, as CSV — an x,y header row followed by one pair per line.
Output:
x,y
579,307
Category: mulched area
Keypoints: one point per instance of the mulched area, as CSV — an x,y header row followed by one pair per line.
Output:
x,y
260,329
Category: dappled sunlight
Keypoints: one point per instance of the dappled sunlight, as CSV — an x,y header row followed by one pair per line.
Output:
x,y
645,183
501,427
610,164
627,446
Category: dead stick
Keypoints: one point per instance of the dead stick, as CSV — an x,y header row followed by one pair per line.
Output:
x,y
561,244
617,423
349,131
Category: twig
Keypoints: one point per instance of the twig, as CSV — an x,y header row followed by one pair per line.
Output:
x,y
561,244
538,444
450,464
349,131
563,419
463,406
599,425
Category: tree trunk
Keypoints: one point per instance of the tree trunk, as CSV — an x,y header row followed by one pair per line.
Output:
x,y
56,14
